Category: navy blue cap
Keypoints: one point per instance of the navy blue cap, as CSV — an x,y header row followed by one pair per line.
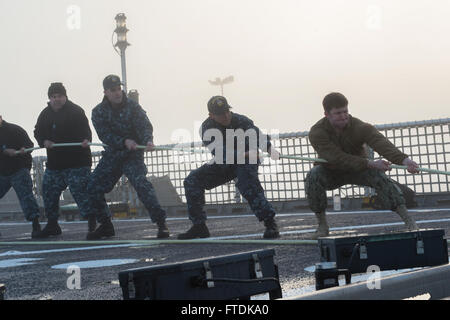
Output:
x,y
218,105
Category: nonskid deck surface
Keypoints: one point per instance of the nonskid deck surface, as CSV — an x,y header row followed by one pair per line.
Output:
x,y
45,269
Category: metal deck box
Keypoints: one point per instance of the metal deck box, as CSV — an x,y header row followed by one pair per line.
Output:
x,y
237,276
391,251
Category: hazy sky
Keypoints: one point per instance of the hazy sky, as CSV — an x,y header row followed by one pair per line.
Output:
x,y
390,58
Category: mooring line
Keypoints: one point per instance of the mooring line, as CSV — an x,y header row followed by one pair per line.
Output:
x,y
194,150
157,242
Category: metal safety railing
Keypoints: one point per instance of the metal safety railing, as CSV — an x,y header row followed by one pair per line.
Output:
x,y
427,142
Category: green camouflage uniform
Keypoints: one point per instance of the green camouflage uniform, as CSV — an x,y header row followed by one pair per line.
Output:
x,y
347,163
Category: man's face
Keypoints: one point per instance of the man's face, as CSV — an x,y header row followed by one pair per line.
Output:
x,y
114,95
57,100
223,119
338,117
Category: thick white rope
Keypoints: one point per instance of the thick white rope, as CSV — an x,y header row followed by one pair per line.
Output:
x,y
393,166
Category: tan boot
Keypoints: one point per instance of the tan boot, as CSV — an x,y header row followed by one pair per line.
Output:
x,y
409,222
322,229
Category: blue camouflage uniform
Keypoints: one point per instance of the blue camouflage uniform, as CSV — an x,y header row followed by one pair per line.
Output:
x,y
65,166
15,171
114,126
222,170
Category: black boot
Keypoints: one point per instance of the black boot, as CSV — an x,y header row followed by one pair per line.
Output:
x,y
51,229
92,223
36,228
271,229
196,231
106,229
163,230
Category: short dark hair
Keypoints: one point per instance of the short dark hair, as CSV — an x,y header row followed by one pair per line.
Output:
x,y
334,100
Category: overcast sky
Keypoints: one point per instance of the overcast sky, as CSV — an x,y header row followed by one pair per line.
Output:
x,y
390,58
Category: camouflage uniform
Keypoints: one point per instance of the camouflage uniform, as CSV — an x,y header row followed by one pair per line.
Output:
x,y
347,163
56,181
22,184
212,175
15,171
113,127
66,166
320,179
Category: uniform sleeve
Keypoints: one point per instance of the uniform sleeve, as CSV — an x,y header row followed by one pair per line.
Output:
x,y
207,139
329,151
104,132
85,130
39,132
202,131
383,146
24,138
143,126
264,142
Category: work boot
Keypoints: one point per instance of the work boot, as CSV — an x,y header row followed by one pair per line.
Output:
x,y
92,223
322,229
163,230
409,222
271,231
106,229
51,229
36,228
196,231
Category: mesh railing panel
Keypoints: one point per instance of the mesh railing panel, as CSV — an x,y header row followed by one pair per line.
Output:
x,y
428,143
